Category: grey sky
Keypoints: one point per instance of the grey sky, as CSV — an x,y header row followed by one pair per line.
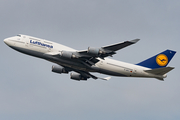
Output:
x,y
29,90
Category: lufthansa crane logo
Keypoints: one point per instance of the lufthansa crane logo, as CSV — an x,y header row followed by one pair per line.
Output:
x,y
162,60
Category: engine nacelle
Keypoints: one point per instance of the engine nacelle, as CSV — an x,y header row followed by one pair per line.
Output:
x,y
94,51
68,55
59,69
77,76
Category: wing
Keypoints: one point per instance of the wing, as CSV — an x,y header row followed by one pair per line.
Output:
x,y
89,57
75,74
106,50
119,46
82,75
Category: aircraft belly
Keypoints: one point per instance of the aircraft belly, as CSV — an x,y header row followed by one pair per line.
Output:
x,y
113,73
64,62
102,68
28,51
114,69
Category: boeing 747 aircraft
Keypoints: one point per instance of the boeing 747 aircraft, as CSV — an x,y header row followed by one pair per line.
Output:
x,y
81,62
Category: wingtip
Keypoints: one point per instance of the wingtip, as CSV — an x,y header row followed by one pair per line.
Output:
x,y
161,79
135,40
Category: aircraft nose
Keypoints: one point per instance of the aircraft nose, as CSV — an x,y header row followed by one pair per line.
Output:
x,y
6,41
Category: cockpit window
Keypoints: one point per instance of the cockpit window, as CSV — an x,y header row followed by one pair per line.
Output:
x,y
19,35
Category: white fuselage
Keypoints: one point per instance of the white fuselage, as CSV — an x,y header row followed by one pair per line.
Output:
x,y
40,47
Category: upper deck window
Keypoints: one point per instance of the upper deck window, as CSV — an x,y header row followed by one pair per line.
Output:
x,y
19,35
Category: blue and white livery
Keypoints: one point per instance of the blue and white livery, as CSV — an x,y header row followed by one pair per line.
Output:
x,y
81,63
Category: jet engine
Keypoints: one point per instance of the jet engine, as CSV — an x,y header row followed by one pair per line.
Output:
x,y
67,54
77,76
59,69
95,51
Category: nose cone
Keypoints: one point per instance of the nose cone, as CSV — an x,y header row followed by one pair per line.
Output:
x,y
6,41
10,41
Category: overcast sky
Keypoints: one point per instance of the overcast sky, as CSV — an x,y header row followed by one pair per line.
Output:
x,y
30,91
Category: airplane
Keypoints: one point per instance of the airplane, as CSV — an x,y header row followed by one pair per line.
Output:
x,y
81,62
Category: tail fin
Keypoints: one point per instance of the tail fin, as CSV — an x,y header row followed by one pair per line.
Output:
x,y
158,61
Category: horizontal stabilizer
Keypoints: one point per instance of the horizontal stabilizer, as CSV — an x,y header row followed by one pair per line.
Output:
x,y
160,71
